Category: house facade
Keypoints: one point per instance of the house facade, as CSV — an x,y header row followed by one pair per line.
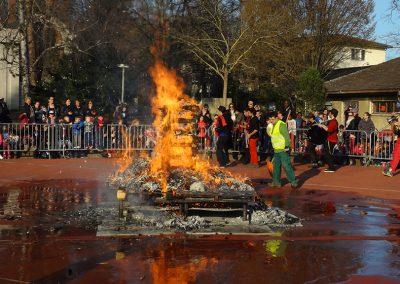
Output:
x,y
374,90
9,55
361,53
9,81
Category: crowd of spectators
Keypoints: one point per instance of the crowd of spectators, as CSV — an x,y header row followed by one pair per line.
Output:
x,y
249,136
82,127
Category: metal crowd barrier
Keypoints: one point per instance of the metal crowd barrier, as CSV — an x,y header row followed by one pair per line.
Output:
x,y
382,145
67,140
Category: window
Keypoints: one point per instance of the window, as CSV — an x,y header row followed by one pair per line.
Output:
x,y
358,54
383,107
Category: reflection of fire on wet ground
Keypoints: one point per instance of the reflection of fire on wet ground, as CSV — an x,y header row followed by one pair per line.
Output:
x,y
212,201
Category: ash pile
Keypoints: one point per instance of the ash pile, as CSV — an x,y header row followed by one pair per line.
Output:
x,y
137,179
163,215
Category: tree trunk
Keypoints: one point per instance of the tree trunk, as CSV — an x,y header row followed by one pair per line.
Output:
x,y
24,62
225,90
31,45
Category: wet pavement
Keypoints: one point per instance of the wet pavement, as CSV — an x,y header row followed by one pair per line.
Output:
x,y
49,211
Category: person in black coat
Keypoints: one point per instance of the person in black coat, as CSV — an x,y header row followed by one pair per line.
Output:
x,y
4,112
67,110
28,110
78,109
224,129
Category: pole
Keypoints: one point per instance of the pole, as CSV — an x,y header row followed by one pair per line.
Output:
x,y
123,85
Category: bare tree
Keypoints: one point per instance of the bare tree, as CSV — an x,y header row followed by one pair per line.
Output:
x,y
222,34
318,33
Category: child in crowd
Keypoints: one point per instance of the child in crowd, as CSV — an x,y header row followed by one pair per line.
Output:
x,y
291,125
66,142
25,131
88,132
76,135
100,133
6,143
52,119
201,128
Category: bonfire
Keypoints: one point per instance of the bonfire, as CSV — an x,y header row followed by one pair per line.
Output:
x,y
174,167
175,171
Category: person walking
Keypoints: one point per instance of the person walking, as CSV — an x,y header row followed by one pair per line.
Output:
x,y
392,166
223,128
252,137
281,143
332,130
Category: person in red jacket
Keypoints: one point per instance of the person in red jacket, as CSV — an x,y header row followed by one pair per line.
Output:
x,y
392,166
332,129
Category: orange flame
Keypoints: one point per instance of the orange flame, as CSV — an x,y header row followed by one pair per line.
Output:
x,y
174,112
172,109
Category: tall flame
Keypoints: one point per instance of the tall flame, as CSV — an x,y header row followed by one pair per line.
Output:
x,y
173,112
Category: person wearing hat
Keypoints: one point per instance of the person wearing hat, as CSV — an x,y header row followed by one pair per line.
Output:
x,y
310,149
332,130
223,128
281,143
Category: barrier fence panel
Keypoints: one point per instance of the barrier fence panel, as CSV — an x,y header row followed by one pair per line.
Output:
x,y
354,143
382,145
299,141
142,137
69,139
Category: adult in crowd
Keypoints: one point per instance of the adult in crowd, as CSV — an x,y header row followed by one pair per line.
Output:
x,y
366,124
351,136
38,112
332,130
244,143
312,135
237,119
223,128
347,111
285,110
90,109
121,114
78,109
252,136
205,113
250,105
67,110
52,109
281,143
28,110
392,166
263,138
299,120
4,112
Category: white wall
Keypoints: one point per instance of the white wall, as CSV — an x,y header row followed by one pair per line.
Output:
x,y
9,83
372,57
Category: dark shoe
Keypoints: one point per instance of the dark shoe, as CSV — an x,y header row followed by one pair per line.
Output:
x,y
314,166
329,171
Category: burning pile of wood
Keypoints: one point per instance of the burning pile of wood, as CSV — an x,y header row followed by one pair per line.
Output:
x,y
137,178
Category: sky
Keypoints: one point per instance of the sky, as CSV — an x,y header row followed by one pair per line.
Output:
x,y
385,23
